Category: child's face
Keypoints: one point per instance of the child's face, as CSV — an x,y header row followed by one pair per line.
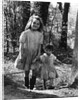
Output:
x,y
35,24
48,52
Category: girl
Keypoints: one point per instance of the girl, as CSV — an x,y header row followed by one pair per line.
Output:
x,y
48,70
30,47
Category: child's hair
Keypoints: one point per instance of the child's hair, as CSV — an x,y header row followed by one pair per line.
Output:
x,y
28,26
49,47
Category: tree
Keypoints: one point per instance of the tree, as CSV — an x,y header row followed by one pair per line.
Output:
x,y
6,24
7,30
41,9
74,74
63,42
11,23
60,6
25,15
54,24
16,15
26,12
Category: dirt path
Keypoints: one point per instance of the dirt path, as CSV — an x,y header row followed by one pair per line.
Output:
x,y
17,91
14,89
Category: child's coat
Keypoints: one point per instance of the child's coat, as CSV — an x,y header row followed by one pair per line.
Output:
x,y
48,68
45,67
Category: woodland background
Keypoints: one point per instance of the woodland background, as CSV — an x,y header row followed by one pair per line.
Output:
x,y
60,27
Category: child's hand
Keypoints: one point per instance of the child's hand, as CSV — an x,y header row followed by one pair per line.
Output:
x,y
59,62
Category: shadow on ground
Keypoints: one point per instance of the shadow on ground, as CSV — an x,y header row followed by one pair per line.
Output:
x,y
12,91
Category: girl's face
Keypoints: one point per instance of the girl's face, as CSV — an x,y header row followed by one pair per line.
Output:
x,y
35,24
48,52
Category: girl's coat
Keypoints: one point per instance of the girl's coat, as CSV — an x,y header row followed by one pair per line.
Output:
x,y
31,42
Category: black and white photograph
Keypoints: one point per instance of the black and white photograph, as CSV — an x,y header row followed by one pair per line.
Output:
x,y
40,49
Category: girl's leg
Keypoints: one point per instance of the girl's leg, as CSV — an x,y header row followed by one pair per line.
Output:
x,y
32,80
27,79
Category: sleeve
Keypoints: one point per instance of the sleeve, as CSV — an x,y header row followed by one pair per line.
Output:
x,y
54,57
41,39
22,37
42,57
21,45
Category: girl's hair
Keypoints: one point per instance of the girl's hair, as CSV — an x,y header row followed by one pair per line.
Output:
x,y
28,26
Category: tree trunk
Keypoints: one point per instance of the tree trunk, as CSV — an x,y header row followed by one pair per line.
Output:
x,y
74,74
41,9
7,45
63,42
7,50
26,12
14,33
60,6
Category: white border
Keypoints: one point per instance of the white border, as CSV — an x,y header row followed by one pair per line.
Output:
x,y
79,45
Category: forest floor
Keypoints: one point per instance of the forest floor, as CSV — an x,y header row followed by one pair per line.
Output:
x,y
13,87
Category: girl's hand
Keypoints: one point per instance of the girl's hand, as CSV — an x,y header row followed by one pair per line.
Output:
x,y
34,60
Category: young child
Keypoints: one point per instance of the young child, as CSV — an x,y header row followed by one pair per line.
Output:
x,y
48,70
30,46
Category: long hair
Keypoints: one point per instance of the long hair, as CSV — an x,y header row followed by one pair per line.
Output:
x,y
28,26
